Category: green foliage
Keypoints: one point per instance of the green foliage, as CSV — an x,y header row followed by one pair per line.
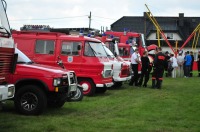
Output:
x,y
176,107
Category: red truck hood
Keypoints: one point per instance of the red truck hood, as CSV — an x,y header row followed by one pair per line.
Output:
x,y
39,70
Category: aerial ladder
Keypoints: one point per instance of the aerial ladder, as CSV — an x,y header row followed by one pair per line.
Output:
x,y
159,30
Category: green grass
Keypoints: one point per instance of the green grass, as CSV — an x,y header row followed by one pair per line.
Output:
x,y
174,108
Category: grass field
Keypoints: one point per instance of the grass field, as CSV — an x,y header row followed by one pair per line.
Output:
x,y
174,108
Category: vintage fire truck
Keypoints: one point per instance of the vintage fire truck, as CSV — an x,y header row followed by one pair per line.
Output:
x,y
121,68
86,56
128,41
7,57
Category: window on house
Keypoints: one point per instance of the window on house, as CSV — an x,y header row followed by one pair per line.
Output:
x,y
44,47
169,35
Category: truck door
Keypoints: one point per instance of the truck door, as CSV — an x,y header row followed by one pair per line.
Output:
x,y
71,56
45,52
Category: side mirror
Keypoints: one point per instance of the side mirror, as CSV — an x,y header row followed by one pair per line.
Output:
x,y
79,47
114,40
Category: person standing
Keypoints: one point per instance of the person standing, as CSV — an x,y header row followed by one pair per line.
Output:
x,y
180,61
191,67
167,71
135,60
198,63
173,60
188,61
145,69
159,63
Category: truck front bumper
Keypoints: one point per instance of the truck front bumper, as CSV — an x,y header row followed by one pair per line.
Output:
x,y
121,79
7,91
105,85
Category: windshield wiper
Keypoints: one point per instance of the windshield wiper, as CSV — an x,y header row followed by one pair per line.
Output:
x,y
7,32
23,62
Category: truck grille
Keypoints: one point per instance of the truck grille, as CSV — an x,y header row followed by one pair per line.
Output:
x,y
6,58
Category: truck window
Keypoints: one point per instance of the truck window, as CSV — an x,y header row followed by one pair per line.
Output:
x,y
44,47
70,48
94,49
88,50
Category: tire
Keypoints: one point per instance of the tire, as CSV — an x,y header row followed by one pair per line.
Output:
x,y
78,96
56,100
88,86
30,100
101,90
117,84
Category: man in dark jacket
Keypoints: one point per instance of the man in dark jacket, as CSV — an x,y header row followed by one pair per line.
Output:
x,y
145,69
159,64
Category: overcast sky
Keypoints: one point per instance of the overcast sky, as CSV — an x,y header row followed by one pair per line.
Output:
x,y
74,13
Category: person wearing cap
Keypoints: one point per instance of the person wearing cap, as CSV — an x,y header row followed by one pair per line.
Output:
x,y
198,63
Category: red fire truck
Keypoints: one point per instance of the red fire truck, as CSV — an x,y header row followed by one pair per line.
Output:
x,y
86,56
128,41
7,61
121,68
39,85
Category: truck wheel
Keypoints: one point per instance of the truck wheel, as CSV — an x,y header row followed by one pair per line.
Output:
x,y
78,96
56,104
88,86
57,101
101,90
117,84
30,100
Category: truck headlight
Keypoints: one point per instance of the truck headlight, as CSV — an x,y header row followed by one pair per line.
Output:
x,y
11,91
57,81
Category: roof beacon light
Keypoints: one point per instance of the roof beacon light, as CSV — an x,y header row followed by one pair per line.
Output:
x,y
124,31
81,32
127,42
103,34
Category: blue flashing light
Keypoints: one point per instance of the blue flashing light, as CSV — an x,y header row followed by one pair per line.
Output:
x,y
81,32
89,35
127,42
111,36
103,34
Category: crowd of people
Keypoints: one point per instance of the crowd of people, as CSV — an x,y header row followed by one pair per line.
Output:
x,y
174,66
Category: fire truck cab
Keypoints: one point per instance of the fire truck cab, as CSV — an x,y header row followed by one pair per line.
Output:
x,y
86,56
7,61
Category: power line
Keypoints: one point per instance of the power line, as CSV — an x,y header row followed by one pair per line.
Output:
x,y
104,17
35,19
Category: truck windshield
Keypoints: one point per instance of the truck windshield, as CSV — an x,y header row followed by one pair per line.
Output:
x,y
4,25
109,53
22,58
94,49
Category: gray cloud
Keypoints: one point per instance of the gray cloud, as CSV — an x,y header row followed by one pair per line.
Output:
x,y
74,13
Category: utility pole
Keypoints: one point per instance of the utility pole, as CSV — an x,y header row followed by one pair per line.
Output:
x,y
89,21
